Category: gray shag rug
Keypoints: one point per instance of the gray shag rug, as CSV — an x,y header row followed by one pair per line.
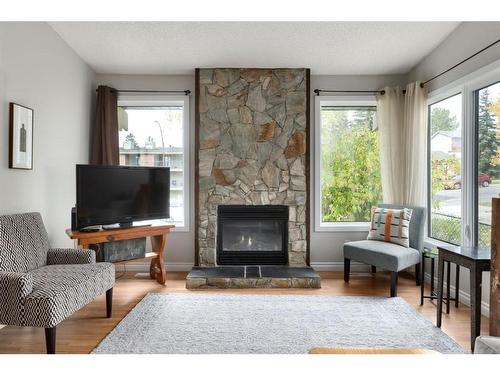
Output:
x,y
288,324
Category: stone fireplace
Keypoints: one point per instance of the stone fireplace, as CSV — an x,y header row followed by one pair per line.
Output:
x,y
252,134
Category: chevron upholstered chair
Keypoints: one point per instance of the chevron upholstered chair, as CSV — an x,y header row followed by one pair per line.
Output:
x,y
40,286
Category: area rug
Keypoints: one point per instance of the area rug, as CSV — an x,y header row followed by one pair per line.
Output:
x,y
213,324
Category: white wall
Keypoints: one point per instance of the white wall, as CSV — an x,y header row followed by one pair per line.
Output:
x,y
467,39
38,70
326,248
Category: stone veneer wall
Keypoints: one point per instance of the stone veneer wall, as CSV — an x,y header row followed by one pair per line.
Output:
x,y
251,134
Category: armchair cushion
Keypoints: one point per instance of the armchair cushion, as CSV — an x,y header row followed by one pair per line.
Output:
x,y
70,256
386,255
487,345
14,287
60,290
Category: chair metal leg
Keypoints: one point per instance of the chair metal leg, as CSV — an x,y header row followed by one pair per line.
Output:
x,y
109,302
50,340
457,284
417,274
374,269
448,269
394,284
347,269
422,280
432,276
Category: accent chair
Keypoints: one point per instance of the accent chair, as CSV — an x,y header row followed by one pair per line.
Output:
x,y
40,286
390,256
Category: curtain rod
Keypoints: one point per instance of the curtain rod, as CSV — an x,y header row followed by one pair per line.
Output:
x,y
460,63
185,92
381,92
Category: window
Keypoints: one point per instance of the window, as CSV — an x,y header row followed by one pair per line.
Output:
x,y
445,159
347,162
487,113
154,132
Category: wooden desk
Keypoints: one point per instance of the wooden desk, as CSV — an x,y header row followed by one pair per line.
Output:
x,y
158,234
477,260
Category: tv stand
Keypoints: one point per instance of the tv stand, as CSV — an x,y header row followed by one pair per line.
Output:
x,y
158,234
126,225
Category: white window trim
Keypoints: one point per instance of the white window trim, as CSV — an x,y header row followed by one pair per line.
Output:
x,y
321,101
164,101
466,86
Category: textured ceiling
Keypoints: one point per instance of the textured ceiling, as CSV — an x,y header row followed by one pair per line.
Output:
x,y
337,48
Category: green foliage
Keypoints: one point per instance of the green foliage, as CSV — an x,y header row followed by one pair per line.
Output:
x,y
443,167
130,138
442,171
488,138
350,180
441,120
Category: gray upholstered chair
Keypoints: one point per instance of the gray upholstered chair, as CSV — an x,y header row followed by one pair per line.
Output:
x,y
39,286
387,255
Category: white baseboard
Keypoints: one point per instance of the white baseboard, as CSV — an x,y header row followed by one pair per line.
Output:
x,y
185,267
144,267
339,266
463,297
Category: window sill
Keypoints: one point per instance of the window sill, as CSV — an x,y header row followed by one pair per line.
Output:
x,y
432,242
343,227
179,227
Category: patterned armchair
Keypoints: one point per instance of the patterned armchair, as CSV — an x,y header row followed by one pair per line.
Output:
x,y
39,286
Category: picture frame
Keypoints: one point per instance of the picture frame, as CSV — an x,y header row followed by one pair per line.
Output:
x,y
20,137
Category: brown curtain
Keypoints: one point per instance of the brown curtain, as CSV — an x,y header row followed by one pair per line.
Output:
x,y
105,135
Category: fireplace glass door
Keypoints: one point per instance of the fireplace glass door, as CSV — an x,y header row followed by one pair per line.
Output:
x,y
252,234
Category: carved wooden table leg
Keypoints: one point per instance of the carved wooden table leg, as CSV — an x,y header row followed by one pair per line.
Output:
x,y
157,267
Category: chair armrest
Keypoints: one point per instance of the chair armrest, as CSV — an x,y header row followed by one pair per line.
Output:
x,y
70,256
17,285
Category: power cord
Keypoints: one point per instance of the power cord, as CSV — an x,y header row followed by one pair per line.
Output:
x,y
119,276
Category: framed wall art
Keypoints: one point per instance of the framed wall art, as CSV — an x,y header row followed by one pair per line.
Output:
x,y
20,137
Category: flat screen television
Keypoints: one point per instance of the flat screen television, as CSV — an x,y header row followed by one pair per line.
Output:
x,y
121,194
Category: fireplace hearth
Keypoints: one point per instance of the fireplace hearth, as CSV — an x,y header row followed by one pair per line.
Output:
x,y
252,235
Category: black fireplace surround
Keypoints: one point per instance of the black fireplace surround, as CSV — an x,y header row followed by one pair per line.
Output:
x,y
252,235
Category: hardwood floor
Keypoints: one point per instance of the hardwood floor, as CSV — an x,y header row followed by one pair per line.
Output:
x,y
84,330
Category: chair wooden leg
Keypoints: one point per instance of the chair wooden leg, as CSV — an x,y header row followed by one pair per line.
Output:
x,y
347,269
417,274
50,340
109,302
394,284
374,269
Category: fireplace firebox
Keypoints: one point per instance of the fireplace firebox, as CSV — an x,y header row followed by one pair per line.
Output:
x,y
252,235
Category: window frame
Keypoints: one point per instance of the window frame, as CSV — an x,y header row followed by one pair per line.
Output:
x,y
335,101
149,100
431,100
467,86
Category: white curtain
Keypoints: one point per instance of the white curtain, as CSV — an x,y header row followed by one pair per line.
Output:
x,y
402,124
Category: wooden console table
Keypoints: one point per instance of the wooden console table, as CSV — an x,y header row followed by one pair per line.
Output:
x,y
158,234
477,260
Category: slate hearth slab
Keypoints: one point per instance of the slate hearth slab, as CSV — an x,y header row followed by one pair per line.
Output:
x,y
226,271
252,277
285,272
